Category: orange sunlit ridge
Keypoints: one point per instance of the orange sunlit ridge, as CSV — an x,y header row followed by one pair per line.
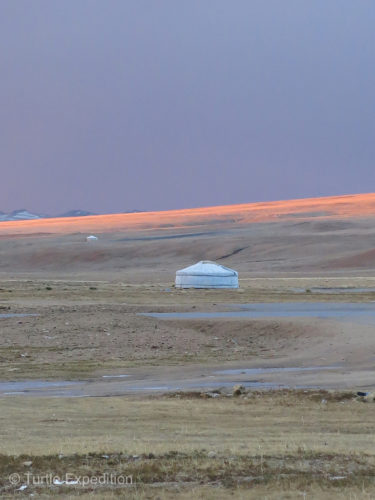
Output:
x,y
359,205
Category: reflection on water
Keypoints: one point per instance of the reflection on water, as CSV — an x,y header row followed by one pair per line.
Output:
x,y
259,371
357,312
182,386
15,315
24,386
116,385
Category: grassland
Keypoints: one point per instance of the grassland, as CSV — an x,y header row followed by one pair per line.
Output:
x,y
267,445
263,445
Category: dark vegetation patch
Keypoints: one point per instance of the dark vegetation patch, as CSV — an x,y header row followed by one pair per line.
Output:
x,y
202,467
236,251
287,397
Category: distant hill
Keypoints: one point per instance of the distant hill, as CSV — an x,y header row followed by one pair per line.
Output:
x,y
295,212
23,214
76,213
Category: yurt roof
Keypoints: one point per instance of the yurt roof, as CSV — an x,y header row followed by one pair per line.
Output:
x,y
206,268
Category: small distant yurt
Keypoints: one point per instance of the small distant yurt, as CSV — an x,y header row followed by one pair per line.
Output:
x,y
206,274
91,238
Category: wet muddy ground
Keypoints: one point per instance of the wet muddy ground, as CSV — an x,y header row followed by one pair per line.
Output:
x,y
154,382
110,338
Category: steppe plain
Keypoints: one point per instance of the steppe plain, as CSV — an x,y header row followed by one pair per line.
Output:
x,y
311,439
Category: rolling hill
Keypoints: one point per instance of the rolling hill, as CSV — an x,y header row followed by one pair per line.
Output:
x,y
334,207
316,236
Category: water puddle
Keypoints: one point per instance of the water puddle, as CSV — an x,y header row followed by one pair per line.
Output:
x,y
259,371
250,384
357,312
120,384
24,386
15,315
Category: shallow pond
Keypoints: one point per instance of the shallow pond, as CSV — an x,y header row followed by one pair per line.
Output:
x,y
33,386
15,315
357,312
260,371
115,384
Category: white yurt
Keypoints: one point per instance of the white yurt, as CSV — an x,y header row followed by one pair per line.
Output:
x,y
92,238
207,274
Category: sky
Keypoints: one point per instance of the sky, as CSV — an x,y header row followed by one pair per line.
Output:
x,y
113,105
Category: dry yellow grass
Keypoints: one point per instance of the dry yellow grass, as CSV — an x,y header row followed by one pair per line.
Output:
x,y
279,491
35,292
290,444
270,445
274,422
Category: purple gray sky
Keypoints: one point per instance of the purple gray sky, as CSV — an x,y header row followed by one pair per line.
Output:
x,y
109,105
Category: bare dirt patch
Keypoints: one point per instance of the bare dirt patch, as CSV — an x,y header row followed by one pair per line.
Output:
x,y
85,327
